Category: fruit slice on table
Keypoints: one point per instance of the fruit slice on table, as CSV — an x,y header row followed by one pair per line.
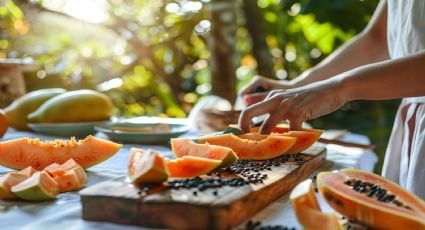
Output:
x,y
74,106
269,147
190,166
305,137
70,176
23,152
371,199
38,187
16,113
185,147
11,179
146,167
307,209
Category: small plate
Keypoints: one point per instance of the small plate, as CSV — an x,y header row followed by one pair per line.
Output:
x,y
77,129
141,137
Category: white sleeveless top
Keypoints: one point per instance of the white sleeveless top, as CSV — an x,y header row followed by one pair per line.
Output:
x,y
405,156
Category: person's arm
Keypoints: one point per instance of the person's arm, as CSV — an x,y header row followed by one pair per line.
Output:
x,y
397,78
368,47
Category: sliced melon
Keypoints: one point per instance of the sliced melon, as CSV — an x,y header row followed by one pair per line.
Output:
x,y
23,152
190,166
7,181
270,146
70,176
73,179
185,147
307,209
146,167
11,179
39,187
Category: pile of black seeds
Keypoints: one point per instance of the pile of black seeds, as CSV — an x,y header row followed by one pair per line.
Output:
x,y
256,225
253,170
206,183
374,191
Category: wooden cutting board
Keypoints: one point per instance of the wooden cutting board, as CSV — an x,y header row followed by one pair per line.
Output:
x,y
214,208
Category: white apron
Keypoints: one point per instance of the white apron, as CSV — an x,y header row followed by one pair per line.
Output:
x,y
405,156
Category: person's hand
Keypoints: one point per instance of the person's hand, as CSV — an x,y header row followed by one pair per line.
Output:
x,y
296,105
259,88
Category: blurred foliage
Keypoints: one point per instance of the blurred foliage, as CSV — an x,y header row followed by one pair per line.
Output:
x,y
152,57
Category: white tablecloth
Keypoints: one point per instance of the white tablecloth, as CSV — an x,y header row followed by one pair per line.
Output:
x,y
65,212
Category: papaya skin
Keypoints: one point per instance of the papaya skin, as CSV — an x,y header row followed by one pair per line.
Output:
x,y
367,210
74,106
16,113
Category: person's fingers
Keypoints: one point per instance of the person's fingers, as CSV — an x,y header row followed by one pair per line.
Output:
x,y
253,98
271,121
295,124
253,111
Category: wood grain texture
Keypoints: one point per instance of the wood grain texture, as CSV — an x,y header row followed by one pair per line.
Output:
x,y
121,202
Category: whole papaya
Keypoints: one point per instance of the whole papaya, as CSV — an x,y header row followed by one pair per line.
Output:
x,y
17,112
74,106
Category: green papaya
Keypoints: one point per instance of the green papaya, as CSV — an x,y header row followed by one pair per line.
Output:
x,y
16,113
74,106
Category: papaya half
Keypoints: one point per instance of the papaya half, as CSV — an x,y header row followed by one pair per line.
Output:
x,y
16,113
74,106
371,200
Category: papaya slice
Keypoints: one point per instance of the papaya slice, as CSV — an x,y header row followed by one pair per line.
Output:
x,y
307,209
39,187
185,147
11,179
190,166
70,176
305,137
146,167
268,147
23,152
371,199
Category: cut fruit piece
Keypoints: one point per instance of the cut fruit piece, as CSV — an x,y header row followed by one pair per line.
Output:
x,y
268,147
7,181
70,176
146,167
38,187
190,166
11,179
185,147
305,137
23,152
72,180
28,171
307,209
371,199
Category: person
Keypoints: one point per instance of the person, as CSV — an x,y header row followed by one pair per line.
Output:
x,y
385,61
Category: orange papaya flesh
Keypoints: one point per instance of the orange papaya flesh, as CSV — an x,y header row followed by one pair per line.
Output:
x,y
190,166
304,201
11,179
70,176
305,137
23,152
146,167
185,147
371,200
266,147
